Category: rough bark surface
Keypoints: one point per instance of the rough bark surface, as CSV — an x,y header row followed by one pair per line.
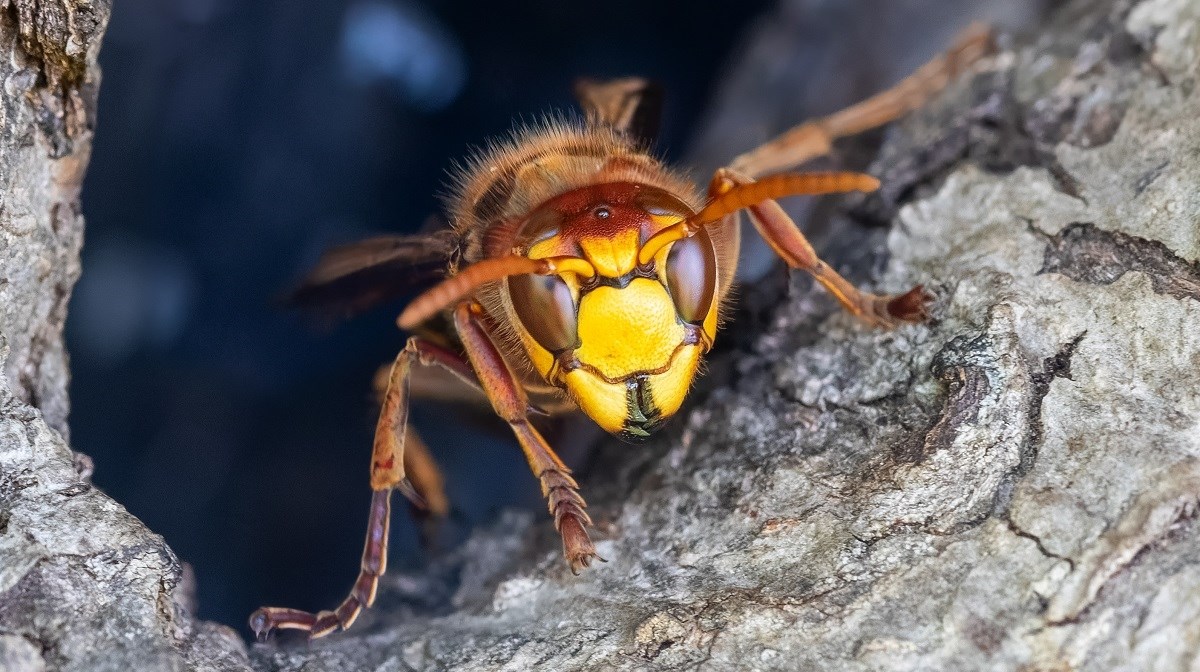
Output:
x,y
83,584
1012,486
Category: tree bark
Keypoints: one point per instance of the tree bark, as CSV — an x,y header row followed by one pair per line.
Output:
x,y
83,584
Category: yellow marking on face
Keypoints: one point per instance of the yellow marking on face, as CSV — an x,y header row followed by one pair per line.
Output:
x,y
608,403
542,359
612,256
710,322
663,221
602,401
627,330
550,247
669,388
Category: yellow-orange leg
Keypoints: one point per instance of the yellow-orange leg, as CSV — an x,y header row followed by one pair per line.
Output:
x,y
509,400
388,461
814,138
786,239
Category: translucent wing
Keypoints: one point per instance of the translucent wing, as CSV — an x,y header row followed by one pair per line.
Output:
x,y
631,105
353,278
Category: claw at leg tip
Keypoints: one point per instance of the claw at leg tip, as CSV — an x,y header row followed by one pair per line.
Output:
x,y
579,563
912,306
260,625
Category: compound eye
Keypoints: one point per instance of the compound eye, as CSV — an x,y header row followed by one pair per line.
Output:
x,y
692,276
544,305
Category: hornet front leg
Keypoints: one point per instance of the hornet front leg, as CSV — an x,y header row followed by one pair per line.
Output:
x,y
388,473
509,400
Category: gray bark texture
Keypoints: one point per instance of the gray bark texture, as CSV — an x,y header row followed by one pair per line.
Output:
x,y
1012,486
83,584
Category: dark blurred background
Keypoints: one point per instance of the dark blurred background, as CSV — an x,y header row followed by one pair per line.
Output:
x,y
237,139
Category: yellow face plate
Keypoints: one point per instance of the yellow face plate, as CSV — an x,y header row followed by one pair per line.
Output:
x,y
627,330
636,358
